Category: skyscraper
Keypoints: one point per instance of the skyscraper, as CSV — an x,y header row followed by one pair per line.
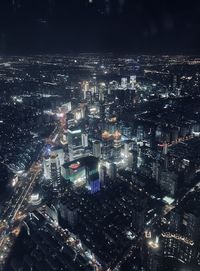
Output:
x,y
55,172
85,140
132,81
85,88
51,165
74,143
96,149
124,83
117,145
106,149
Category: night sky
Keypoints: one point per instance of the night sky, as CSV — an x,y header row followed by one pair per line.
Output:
x,y
124,26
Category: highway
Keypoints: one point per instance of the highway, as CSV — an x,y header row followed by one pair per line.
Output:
x,y
14,211
16,208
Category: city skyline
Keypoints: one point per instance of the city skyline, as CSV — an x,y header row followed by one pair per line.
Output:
x,y
99,135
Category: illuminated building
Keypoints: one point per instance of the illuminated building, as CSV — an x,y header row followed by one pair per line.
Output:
x,y
112,171
177,247
127,132
85,88
83,111
70,120
175,221
85,140
74,172
78,114
96,149
55,171
128,146
35,199
83,172
60,152
51,166
158,134
124,83
66,108
191,221
75,146
52,212
117,145
102,174
46,167
106,149
165,148
132,81
175,87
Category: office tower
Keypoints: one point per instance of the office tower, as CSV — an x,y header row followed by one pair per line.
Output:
x,y
60,152
85,140
165,148
85,89
102,175
139,157
176,90
66,108
82,172
69,213
112,124
132,81
127,132
168,182
158,134
124,83
175,220
96,149
78,114
51,166
128,146
52,212
83,111
74,143
35,199
55,171
178,247
102,91
117,145
140,133
112,171
153,258
106,149
46,167
70,120
155,171
92,174
130,160
191,220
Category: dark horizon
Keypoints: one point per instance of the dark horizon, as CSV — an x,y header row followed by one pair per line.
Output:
x,y
120,26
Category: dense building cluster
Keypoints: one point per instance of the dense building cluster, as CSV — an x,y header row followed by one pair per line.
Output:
x,y
106,161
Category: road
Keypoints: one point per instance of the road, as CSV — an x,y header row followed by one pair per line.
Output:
x,y
14,212
16,208
73,241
